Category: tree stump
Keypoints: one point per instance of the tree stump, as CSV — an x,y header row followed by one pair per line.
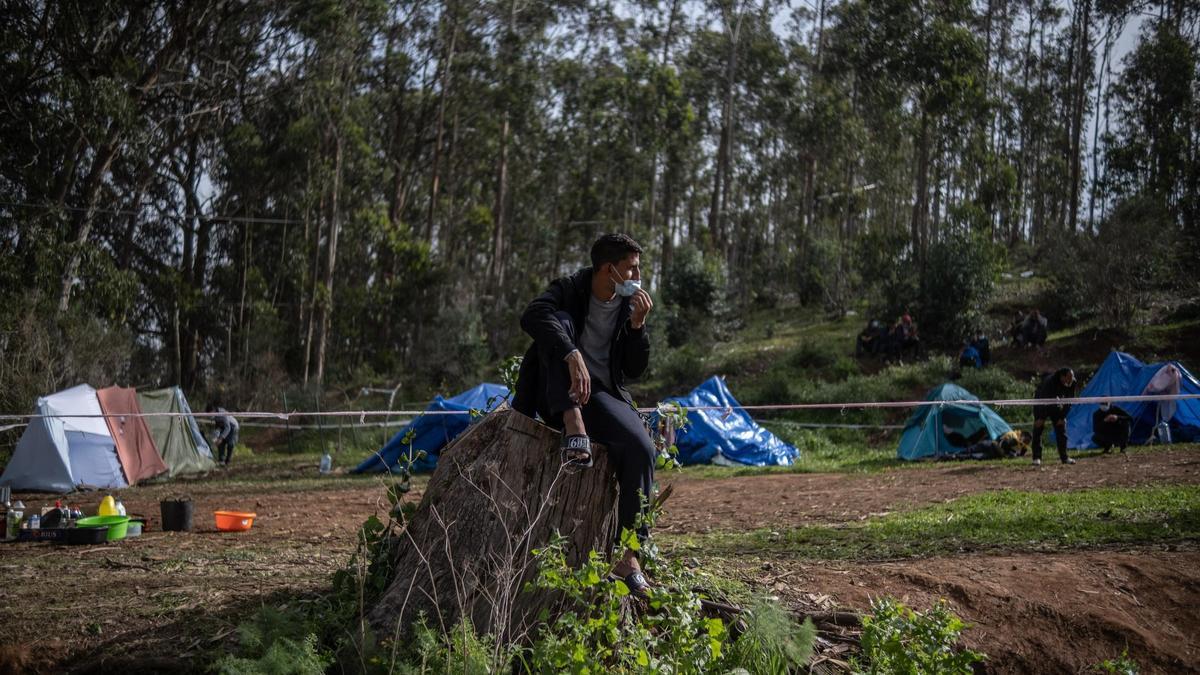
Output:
x,y
500,490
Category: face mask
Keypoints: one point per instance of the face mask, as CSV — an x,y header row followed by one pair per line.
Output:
x,y
627,287
1105,406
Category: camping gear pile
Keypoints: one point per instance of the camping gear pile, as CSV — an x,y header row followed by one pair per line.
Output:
x,y
84,438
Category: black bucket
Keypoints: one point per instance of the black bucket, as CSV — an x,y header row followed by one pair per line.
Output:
x,y
176,515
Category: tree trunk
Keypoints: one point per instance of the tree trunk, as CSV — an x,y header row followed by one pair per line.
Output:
x,y
1079,96
499,491
434,183
716,214
921,187
334,227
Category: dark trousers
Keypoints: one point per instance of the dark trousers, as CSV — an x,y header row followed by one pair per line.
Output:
x,y
1108,434
609,420
1059,420
225,447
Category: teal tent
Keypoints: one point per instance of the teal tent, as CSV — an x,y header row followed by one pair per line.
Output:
x,y
947,427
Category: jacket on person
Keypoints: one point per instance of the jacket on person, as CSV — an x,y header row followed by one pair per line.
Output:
x,y
1098,416
225,423
629,350
1052,388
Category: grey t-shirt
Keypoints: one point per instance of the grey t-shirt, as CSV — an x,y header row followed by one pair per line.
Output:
x,y
597,336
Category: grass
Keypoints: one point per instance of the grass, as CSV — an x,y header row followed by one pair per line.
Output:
x,y
1008,520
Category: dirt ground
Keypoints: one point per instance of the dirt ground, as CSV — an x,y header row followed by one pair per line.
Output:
x,y
161,601
734,504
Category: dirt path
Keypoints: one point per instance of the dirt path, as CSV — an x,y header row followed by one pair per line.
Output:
x,y
790,500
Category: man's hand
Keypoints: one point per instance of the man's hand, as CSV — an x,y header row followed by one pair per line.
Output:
x,y
1110,418
581,380
641,307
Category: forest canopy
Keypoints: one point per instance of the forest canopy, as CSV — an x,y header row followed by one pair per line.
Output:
x,y
248,196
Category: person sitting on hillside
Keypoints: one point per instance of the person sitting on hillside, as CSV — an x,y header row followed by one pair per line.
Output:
x,y
1033,329
1110,426
871,339
905,339
969,357
984,347
1059,385
227,434
1014,329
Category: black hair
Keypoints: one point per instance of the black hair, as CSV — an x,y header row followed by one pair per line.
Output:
x,y
613,248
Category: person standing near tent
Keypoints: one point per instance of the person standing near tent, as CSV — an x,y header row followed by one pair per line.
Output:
x,y
1110,426
227,434
1059,385
589,334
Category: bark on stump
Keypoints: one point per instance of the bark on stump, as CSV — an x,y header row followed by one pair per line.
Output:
x,y
499,491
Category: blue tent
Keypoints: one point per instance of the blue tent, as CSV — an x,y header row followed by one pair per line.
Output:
x,y
431,433
925,433
1123,375
727,434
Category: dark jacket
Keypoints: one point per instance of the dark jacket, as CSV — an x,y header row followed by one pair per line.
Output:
x,y
1098,417
629,351
1052,388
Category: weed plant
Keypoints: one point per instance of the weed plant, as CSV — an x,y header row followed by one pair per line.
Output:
x,y
898,640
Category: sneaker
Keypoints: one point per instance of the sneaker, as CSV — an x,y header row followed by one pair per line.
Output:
x,y
1068,460
1037,462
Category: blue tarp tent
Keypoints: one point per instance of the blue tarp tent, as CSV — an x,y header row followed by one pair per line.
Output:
x,y
1123,375
925,433
431,433
724,435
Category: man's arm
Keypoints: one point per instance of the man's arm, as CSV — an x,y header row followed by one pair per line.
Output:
x,y
539,322
635,354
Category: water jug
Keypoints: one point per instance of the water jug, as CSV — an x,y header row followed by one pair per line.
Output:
x,y
1162,432
108,506
326,463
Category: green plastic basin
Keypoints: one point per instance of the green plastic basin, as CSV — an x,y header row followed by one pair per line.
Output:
x,y
117,525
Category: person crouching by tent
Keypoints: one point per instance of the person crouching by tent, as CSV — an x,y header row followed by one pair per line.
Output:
x,y
227,434
1110,426
589,334
1059,385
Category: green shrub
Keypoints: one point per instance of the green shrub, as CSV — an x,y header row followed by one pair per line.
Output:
x,y
275,643
671,637
1122,665
899,640
772,643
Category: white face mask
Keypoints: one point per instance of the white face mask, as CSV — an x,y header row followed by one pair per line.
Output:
x,y
627,288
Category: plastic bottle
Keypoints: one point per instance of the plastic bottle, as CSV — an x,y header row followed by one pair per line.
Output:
x,y
14,518
108,507
35,522
120,508
326,463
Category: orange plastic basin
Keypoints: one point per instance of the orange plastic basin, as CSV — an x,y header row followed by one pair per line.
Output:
x,y
234,521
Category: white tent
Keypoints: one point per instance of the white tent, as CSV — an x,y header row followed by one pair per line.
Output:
x,y
70,448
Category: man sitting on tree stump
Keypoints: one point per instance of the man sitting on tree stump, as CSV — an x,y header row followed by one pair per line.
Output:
x,y
589,334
